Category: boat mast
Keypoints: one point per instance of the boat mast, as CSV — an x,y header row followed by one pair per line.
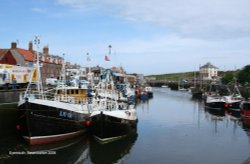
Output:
x,y
63,76
89,76
194,79
63,71
39,80
36,73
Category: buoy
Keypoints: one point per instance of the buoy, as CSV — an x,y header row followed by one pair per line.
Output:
x,y
87,123
18,127
226,105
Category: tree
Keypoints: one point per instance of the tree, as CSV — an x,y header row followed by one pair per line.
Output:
x,y
227,78
244,75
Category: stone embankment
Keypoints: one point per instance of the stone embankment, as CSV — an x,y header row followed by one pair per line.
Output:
x,y
10,96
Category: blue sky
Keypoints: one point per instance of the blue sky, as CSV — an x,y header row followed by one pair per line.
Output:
x,y
149,37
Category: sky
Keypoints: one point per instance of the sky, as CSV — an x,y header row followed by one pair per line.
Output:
x,y
147,37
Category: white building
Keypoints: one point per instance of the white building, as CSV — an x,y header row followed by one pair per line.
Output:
x,y
80,73
208,71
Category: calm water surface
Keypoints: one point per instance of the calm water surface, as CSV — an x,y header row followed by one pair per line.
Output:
x,y
173,128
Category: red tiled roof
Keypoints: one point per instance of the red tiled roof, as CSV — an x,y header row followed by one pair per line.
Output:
x,y
28,55
3,52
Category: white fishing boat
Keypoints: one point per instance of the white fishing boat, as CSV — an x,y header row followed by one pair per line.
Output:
x,y
111,119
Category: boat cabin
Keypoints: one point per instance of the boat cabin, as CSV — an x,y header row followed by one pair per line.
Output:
x,y
72,95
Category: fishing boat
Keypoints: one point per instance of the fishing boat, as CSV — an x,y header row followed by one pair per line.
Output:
x,y
111,119
245,109
215,102
233,102
181,85
144,95
214,99
54,115
126,93
149,91
196,92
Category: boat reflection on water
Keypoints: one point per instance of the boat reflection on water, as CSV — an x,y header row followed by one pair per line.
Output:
x,y
246,124
84,149
219,113
70,151
112,152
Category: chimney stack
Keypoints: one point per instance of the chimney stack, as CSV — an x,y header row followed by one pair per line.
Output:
x,y
46,50
13,45
30,46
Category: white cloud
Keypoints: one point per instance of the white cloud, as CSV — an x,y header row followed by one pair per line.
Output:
x,y
39,10
196,31
196,18
72,3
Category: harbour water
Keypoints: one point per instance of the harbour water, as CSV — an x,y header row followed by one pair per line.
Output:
x,y
172,128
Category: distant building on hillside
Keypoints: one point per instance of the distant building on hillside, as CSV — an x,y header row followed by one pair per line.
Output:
x,y
208,71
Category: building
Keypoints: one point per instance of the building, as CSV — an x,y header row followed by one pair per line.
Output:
x,y
97,71
78,73
136,79
208,72
51,64
132,79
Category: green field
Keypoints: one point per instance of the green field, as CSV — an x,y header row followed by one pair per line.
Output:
x,y
175,76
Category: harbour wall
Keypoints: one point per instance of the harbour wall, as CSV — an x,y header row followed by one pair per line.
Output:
x,y
244,90
10,96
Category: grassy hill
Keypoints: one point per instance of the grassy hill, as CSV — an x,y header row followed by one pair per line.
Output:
x,y
175,76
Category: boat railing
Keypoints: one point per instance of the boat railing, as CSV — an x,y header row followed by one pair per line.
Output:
x,y
31,94
65,98
50,94
108,93
104,104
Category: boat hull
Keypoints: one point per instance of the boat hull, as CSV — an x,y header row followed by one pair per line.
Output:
x,y
107,128
41,123
234,108
150,94
245,109
216,105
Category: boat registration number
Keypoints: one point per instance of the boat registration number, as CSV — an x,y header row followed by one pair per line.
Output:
x,y
65,114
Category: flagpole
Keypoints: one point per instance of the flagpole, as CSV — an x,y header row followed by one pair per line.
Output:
x,y
110,55
107,57
110,50
89,76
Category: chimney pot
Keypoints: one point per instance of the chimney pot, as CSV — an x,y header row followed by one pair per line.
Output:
x,y
46,50
13,45
30,46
